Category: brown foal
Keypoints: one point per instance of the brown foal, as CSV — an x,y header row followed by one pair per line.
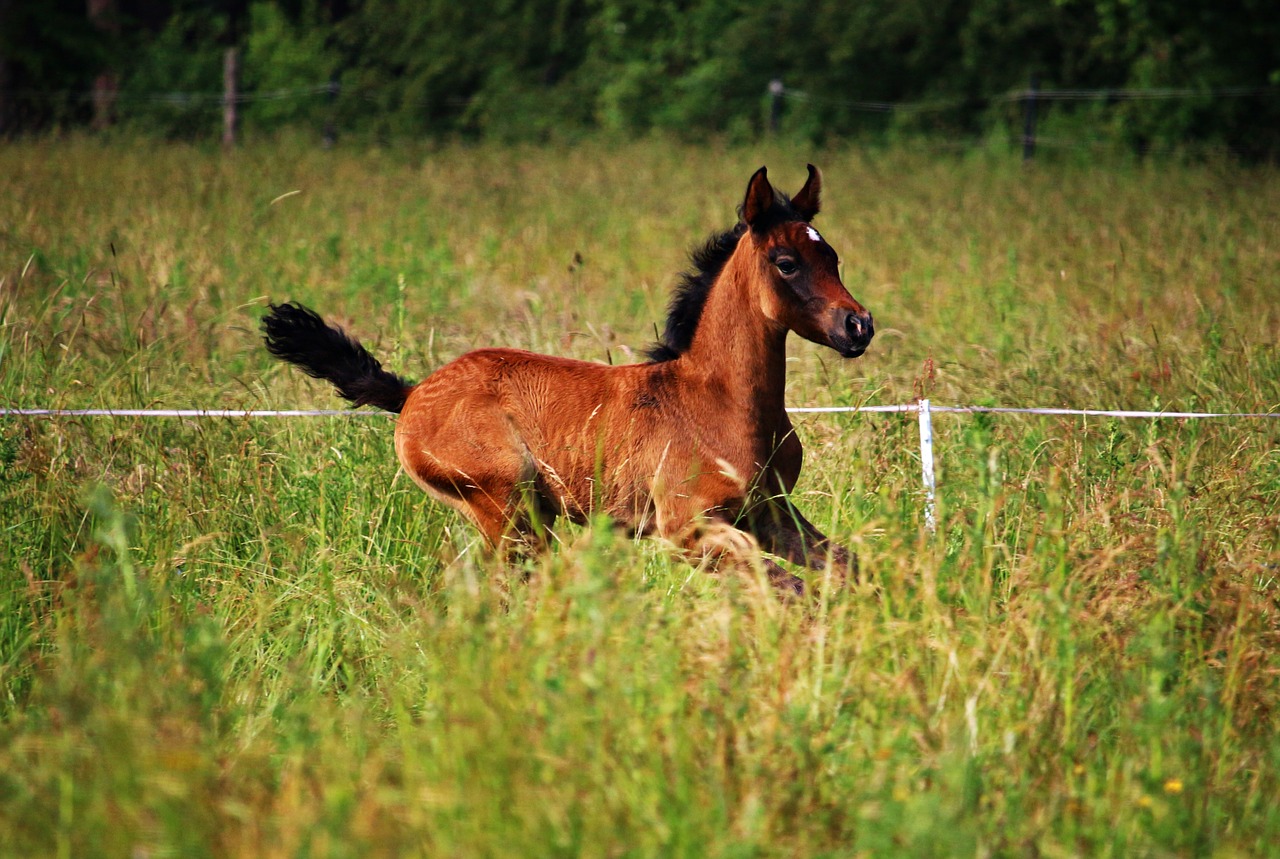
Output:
x,y
693,445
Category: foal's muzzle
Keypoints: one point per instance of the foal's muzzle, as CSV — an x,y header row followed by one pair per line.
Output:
x,y
858,329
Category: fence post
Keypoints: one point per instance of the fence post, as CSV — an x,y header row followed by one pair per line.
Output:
x,y
926,463
230,76
1029,119
331,123
106,85
776,89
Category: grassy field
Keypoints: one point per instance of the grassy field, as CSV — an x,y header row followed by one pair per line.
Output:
x,y
255,638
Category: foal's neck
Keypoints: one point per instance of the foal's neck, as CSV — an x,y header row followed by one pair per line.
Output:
x,y
736,349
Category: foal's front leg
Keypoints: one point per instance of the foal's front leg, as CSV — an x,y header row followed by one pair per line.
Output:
x,y
784,531
718,540
705,530
779,526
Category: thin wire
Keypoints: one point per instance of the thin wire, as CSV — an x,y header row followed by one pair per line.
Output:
x,y
1106,413
212,98
185,99
1132,94
1113,94
194,413
352,413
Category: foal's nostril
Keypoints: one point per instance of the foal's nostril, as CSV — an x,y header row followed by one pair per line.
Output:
x,y
859,326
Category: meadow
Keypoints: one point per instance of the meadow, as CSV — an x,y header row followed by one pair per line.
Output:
x,y
253,637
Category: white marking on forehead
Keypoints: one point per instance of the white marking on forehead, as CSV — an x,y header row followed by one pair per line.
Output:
x,y
813,234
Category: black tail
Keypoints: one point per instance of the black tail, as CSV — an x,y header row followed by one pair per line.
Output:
x,y
299,336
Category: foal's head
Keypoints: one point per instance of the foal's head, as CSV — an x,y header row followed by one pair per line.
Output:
x,y
797,271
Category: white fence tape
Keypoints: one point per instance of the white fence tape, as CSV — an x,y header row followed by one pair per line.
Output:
x,y
798,410
923,409
1009,410
192,413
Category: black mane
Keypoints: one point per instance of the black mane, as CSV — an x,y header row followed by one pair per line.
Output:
x,y
690,294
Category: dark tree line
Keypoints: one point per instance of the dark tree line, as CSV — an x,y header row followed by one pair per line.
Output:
x,y
543,68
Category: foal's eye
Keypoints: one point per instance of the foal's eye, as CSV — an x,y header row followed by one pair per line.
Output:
x,y
788,267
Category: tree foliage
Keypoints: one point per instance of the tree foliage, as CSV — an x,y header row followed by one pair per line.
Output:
x,y
544,68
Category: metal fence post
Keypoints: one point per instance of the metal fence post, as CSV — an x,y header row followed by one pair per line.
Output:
x,y
776,89
926,464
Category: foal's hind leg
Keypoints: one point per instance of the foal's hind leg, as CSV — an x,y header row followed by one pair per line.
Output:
x,y
481,469
486,495
513,516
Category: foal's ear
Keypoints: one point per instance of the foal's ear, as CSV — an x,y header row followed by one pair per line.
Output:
x,y
807,202
760,198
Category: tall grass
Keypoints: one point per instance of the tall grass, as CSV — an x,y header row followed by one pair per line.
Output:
x,y
237,637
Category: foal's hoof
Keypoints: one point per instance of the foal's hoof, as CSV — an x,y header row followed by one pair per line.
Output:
x,y
844,564
784,581
788,584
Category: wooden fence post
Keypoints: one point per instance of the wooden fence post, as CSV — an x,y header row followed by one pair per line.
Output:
x,y
230,79
1029,119
331,122
103,15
